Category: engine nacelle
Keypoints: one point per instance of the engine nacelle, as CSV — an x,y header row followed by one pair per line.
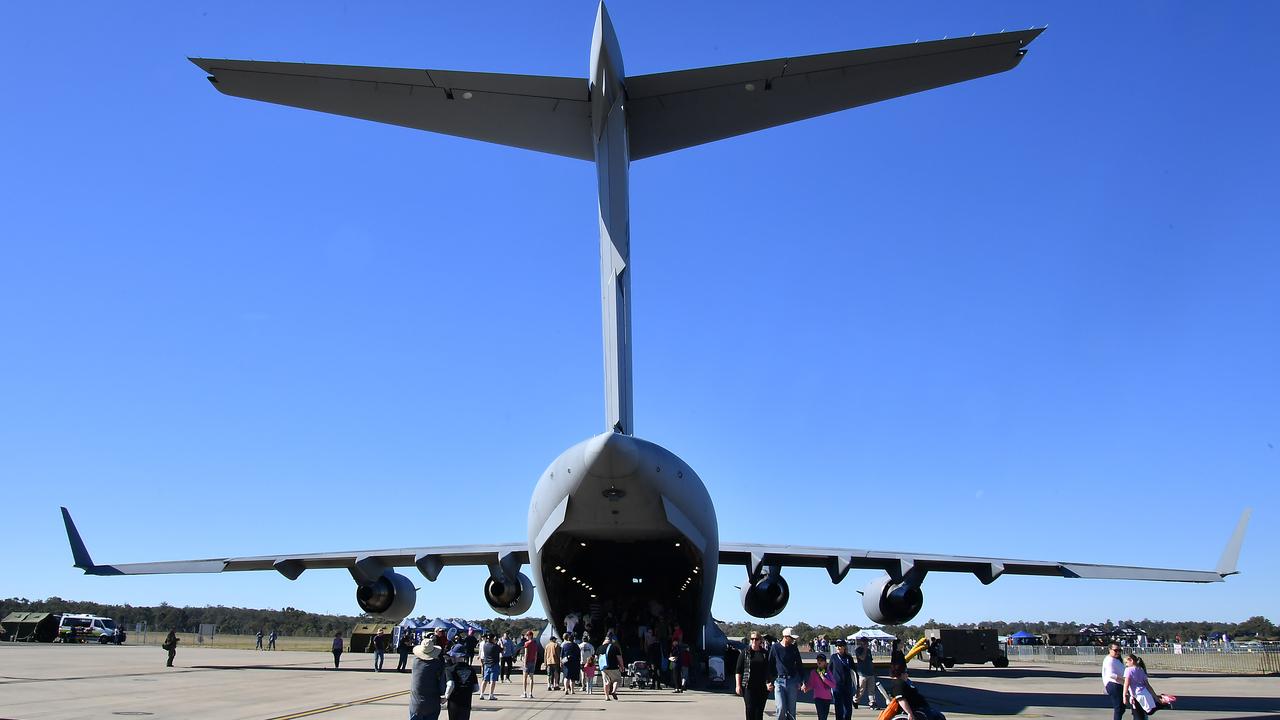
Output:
x,y
391,596
890,603
508,598
765,597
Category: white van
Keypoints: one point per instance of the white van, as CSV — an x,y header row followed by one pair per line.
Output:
x,y
85,628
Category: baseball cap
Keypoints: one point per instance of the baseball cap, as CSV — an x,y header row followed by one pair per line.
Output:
x,y
788,631
840,641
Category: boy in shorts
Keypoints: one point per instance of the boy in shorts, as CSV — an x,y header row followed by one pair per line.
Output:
x,y
530,663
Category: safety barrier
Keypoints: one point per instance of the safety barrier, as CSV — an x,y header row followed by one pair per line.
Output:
x,y
1260,660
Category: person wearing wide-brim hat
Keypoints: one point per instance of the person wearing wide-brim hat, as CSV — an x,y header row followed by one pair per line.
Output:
x,y
426,685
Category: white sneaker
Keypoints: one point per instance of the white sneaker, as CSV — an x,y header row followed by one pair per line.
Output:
x,y
524,696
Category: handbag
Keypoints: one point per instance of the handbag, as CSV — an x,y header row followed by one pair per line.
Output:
x,y
1143,699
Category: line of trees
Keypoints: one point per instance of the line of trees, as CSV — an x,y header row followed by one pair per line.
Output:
x,y
1255,627
295,622
232,620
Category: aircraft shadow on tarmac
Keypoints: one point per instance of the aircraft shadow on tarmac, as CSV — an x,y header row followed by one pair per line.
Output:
x,y
977,701
306,668
1070,674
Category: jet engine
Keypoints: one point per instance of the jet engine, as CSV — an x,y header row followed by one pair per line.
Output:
x,y
509,598
765,597
391,596
890,603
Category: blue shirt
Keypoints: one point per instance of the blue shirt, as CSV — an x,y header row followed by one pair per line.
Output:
x,y
784,661
841,669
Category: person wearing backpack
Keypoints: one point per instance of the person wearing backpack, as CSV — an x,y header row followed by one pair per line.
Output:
x,y
171,645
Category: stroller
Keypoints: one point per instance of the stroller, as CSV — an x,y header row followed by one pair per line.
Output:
x,y
640,675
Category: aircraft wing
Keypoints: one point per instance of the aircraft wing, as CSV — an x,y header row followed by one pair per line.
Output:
x,y
548,114
838,561
674,110
366,565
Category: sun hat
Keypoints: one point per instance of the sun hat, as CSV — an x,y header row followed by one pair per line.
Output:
x,y
427,650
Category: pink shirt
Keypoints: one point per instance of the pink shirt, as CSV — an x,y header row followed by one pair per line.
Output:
x,y
821,685
1137,678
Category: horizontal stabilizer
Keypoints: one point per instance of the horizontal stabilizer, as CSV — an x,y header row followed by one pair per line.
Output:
x,y
547,114
674,110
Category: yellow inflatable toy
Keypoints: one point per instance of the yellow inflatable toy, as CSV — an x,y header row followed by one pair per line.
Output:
x,y
918,648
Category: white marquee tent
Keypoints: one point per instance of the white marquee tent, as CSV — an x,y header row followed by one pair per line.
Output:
x,y
871,634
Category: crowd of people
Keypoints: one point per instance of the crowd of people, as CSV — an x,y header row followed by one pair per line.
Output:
x,y
573,664
839,682
843,681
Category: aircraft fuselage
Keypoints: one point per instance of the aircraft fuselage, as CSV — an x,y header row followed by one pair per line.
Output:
x,y
621,529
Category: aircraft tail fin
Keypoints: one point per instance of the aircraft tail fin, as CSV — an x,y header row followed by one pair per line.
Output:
x,y
1231,553
78,551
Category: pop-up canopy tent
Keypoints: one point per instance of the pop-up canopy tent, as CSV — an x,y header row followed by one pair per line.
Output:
x,y
871,634
1022,637
440,624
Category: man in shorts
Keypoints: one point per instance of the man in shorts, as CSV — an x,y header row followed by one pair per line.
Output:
x,y
611,662
530,663
490,666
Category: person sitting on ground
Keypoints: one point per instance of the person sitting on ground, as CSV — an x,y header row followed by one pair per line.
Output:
x,y
909,698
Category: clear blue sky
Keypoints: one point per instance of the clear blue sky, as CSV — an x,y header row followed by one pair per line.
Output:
x,y
1035,315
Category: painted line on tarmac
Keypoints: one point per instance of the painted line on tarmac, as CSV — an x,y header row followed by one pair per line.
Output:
x,y
339,706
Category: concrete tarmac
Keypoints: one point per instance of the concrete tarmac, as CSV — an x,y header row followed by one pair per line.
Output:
x,y
40,682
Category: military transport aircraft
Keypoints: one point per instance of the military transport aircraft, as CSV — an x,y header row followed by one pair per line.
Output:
x,y
617,518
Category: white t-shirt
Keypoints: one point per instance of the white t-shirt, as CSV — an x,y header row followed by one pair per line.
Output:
x,y
1112,671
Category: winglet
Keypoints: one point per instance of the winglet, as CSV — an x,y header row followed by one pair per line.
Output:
x,y
1231,553
78,551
